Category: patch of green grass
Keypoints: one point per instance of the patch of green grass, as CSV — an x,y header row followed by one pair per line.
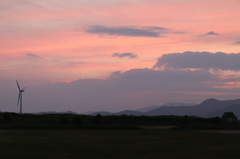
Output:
x,y
109,144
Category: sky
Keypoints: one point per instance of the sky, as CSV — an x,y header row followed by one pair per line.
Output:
x,y
113,55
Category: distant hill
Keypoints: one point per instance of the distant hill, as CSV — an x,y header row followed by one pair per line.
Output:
x,y
125,112
146,109
87,113
208,108
129,112
232,108
104,113
211,105
202,110
53,112
172,110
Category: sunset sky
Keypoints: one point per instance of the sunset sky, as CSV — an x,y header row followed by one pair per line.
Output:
x,y
113,55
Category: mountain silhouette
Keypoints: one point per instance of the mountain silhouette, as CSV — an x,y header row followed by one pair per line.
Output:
x,y
203,109
103,113
129,112
208,108
232,108
146,109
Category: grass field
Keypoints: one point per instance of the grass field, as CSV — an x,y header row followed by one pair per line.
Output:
x,y
116,144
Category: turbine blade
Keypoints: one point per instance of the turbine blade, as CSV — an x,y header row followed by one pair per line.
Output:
x,y
24,88
19,96
18,85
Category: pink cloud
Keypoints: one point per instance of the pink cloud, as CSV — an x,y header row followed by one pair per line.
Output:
x,y
48,30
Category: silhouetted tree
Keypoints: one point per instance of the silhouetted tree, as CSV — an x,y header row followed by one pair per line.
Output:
x,y
63,119
98,119
229,117
6,117
109,121
185,120
77,120
217,120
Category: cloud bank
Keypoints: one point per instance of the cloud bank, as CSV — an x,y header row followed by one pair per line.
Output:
x,y
200,60
211,33
127,31
237,43
132,89
33,55
126,54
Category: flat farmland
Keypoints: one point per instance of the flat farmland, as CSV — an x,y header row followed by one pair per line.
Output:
x,y
109,144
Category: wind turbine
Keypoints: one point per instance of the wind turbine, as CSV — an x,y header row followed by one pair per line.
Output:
x,y
20,96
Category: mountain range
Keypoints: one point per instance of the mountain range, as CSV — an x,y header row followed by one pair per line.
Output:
x,y
208,108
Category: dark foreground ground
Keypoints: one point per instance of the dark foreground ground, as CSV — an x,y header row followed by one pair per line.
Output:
x,y
119,144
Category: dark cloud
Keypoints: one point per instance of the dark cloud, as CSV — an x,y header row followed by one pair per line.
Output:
x,y
126,54
211,33
133,88
200,60
115,74
167,76
237,43
33,55
155,28
180,32
127,31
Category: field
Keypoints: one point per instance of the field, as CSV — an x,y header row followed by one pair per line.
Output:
x,y
116,144
64,136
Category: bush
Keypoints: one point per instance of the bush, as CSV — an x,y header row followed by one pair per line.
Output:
x,y
77,120
229,117
98,119
63,119
6,117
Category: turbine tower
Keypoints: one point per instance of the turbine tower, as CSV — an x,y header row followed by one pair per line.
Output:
x,y
20,96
